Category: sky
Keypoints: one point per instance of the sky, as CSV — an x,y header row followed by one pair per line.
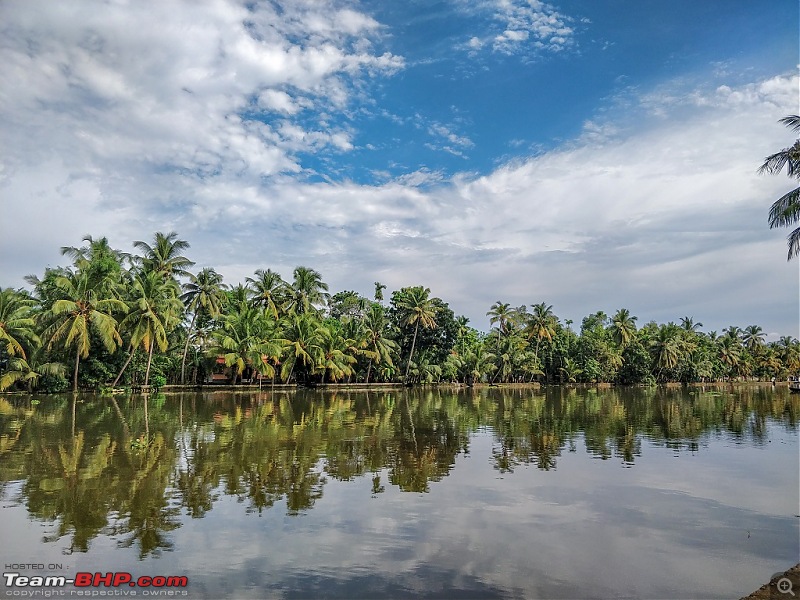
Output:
x,y
592,155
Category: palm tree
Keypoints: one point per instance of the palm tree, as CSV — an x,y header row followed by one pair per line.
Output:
x,y
379,287
17,327
303,340
500,313
785,211
753,338
268,287
417,309
379,346
623,327
165,255
306,290
729,351
99,260
666,347
688,324
29,370
333,358
541,324
203,293
247,337
79,312
154,311
734,332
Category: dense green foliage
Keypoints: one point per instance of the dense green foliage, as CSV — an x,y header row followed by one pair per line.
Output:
x,y
112,318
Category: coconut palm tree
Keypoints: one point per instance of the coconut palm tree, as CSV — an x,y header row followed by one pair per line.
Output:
x,y
500,313
416,308
753,338
202,294
666,347
379,287
79,312
379,346
729,351
333,359
268,289
623,327
100,261
689,324
247,337
29,370
306,290
541,324
785,211
17,326
155,310
303,344
165,255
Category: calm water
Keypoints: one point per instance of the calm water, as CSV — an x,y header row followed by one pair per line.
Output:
x,y
644,493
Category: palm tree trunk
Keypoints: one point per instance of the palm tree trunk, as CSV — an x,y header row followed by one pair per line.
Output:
x,y
290,372
411,356
186,347
125,366
369,368
149,360
75,376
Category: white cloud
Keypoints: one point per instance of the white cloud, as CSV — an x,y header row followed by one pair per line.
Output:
x,y
121,121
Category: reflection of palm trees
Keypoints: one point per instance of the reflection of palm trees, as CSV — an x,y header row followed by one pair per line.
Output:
x,y
278,450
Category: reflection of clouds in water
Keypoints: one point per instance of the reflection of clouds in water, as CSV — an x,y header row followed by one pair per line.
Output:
x,y
588,529
674,524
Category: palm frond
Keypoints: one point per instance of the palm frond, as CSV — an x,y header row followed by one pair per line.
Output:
x,y
785,210
793,240
791,121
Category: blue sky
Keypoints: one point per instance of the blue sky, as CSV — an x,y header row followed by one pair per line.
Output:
x,y
589,154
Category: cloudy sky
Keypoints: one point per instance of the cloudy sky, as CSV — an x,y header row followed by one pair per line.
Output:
x,y
591,155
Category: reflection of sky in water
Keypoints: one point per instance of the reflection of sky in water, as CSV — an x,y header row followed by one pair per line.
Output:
x,y
715,522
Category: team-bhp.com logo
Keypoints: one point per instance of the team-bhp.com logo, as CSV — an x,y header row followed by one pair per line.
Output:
x,y
36,585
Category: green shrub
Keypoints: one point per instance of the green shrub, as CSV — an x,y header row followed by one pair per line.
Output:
x,y
158,381
52,384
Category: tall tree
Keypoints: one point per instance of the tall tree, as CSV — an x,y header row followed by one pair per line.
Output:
x,y
417,309
379,346
753,338
500,313
268,289
165,255
79,312
541,324
248,337
623,327
689,324
17,326
155,310
379,287
99,261
202,294
307,289
785,211
303,334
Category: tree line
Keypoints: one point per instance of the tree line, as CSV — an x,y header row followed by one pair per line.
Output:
x,y
112,318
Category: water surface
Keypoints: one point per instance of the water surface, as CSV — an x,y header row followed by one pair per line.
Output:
x,y
492,493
